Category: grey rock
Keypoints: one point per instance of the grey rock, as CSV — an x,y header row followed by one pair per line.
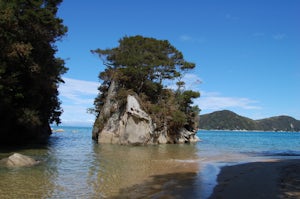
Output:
x,y
132,125
18,160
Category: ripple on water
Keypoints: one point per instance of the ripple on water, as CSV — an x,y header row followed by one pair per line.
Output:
x,y
73,166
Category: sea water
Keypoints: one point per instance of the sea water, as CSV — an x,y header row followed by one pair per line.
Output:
x,y
73,166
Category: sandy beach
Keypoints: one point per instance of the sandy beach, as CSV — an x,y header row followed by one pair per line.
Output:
x,y
273,179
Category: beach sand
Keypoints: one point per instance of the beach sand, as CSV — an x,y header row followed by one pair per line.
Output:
x,y
272,179
268,180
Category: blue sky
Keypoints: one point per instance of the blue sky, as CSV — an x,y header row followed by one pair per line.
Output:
x,y
247,52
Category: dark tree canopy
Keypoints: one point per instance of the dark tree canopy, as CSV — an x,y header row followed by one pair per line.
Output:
x,y
139,59
29,71
141,65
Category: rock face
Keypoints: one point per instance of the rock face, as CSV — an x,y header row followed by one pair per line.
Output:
x,y
18,160
132,125
188,136
135,125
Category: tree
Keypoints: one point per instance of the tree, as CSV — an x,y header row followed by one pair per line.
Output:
x,y
141,64
140,59
29,71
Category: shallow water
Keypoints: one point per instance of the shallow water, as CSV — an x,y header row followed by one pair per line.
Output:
x,y
73,166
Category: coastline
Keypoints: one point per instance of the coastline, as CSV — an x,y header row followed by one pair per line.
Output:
x,y
246,130
272,179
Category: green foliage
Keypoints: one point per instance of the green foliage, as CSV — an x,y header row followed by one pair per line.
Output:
x,y
141,64
279,123
29,71
140,59
177,120
231,121
185,99
226,120
121,96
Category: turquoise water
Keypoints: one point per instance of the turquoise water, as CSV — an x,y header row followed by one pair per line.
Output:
x,y
251,143
73,166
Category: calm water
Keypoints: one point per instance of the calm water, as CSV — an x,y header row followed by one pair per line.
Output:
x,y
73,166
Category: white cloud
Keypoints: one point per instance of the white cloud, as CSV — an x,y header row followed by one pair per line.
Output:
x,y
79,91
77,96
279,36
79,86
77,115
214,101
192,82
187,38
258,34
230,17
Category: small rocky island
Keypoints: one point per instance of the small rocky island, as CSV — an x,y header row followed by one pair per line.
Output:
x,y
134,106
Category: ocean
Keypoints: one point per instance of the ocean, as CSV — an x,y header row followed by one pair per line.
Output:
x,y
74,166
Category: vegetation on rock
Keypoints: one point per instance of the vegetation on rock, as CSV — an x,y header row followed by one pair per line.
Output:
x,y
29,71
140,66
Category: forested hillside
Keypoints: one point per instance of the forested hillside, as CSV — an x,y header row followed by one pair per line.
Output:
x,y
227,120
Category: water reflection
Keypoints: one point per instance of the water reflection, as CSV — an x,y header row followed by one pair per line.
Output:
x,y
29,182
172,185
126,168
23,183
73,166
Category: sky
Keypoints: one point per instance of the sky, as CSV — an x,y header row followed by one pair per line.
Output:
x,y
247,52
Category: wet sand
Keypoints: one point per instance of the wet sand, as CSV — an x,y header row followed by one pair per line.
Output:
x,y
166,186
274,179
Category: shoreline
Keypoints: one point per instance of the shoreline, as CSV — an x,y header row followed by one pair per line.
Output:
x,y
271,179
245,130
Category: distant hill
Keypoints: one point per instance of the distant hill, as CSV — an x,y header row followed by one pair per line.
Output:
x,y
279,123
228,120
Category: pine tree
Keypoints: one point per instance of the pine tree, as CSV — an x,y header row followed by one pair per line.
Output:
x,y
141,65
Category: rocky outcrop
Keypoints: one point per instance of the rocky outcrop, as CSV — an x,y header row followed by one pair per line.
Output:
x,y
107,121
188,136
136,126
132,125
18,160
